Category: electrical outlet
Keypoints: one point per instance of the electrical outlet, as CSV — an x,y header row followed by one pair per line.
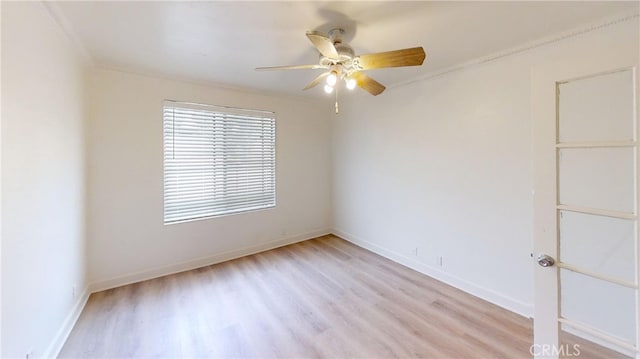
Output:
x,y
415,251
28,354
440,262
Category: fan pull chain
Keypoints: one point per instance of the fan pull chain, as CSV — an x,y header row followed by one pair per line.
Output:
x,y
337,100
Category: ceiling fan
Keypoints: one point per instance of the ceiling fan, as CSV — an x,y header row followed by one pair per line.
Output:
x,y
341,63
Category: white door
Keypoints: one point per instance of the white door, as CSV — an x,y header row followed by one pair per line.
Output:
x,y
586,244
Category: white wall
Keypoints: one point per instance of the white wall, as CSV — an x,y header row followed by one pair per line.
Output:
x,y
127,238
445,165
43,248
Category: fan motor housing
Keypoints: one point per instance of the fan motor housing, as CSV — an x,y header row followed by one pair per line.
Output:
x,y
344,51
345,57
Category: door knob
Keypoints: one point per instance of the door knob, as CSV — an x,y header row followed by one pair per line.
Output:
x,y
545,260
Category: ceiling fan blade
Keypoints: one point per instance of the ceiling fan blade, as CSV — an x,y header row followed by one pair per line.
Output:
x,y
398,58
368,84
294,67
323,44
317,80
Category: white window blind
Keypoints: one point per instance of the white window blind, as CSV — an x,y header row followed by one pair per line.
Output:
x,y
217,161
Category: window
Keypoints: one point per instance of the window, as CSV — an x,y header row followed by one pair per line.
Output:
x,y
217,161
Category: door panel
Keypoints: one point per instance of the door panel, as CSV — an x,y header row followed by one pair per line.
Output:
x,y
599,244
602,305
608,116
597,178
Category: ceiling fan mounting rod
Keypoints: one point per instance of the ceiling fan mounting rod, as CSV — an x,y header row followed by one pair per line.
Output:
x,y
336,35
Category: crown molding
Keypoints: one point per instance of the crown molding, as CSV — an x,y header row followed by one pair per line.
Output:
x,y
549,40
211,84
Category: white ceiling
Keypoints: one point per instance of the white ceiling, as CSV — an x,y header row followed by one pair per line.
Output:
x,y
222,42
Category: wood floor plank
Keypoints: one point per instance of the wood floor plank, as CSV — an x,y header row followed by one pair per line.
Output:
x,y
322,298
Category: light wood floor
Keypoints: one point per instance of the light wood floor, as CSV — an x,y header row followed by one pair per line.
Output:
x,y
319,298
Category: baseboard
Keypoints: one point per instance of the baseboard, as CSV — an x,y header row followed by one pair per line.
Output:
x,y
203,261
489,295
69,322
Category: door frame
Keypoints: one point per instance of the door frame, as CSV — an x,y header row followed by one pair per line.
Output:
x,y
544,80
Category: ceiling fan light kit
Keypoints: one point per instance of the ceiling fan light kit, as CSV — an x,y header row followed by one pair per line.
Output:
x,y
351,83
339,59
332,78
